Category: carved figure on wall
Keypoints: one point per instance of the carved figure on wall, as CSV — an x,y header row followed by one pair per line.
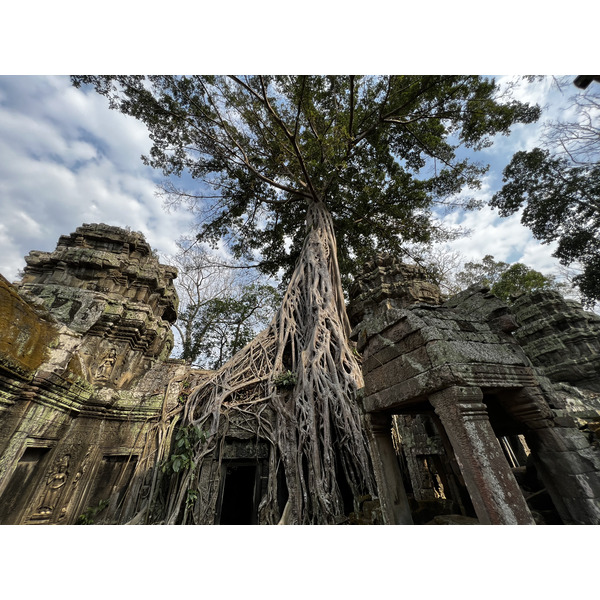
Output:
x,y
107,365
72,488
55,481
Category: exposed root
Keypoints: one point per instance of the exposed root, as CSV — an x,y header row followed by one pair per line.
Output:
x,y
314,429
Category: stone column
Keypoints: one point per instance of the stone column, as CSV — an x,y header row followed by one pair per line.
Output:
x,y
392,495
494,491
567,464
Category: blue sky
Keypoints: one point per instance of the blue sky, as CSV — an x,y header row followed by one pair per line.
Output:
x,y
66,159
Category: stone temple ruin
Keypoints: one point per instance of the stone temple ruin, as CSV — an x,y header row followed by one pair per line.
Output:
x,y
475,413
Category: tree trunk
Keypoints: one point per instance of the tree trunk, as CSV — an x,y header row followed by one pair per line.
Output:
x,y
311,420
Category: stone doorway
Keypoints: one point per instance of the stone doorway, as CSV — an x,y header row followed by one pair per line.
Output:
x,y
16,495
239,494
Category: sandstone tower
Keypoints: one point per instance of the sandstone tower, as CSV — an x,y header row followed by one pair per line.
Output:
x,y
83,343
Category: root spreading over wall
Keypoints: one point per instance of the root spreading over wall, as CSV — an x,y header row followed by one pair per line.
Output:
x,y
293,386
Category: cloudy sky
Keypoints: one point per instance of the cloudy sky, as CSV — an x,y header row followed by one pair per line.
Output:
x,y
66,159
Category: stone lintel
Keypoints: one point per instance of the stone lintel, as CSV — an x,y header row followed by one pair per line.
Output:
x,y
381,395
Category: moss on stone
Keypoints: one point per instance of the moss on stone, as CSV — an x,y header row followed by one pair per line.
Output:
x,y
25,337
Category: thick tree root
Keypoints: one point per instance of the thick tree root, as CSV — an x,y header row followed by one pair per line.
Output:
x,y
311,420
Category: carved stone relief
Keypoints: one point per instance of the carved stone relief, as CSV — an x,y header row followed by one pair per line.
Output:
x,y
106,366
55,482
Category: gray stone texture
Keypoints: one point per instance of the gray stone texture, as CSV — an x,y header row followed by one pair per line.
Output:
x,y
83,376
534,369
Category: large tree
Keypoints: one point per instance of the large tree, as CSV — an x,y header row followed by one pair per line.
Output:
x,y
291,166
558,188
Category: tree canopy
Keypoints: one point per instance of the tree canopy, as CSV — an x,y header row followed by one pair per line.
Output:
x,y
379,152
561,203
558,187
504,280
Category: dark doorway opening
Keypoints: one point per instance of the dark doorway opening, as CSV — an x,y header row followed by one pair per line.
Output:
x,y
282,489
238,506
20,487
344,487
111,480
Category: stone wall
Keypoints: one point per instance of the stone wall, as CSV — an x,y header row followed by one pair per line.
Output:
x,y
460,367
84,339
560,338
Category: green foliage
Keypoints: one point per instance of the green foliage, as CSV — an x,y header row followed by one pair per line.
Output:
x,y
182,455
222,326
561,203
378,151
486,273
192,496
185,392
88,517
285,380
519,279
504,280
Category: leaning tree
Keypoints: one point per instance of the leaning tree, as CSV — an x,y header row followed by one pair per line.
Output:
x,y
313,174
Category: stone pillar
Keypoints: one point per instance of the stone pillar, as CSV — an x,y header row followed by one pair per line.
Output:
x,y
392,495
494,491
567,464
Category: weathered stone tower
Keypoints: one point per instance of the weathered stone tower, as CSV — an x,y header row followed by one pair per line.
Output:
x,y
83,343
104,283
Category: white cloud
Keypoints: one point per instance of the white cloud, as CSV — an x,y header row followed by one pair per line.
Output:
x,y
505,238
65,159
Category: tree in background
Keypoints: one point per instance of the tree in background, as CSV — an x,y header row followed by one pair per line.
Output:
x,y
225,324
577,140
520,279
313,173
449,270
220,311
441,265
504,280
558,188
201,278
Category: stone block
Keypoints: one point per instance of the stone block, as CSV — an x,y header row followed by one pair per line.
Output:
x,y
397,370
411,391
389,351
560,464
472,352
561,439
587,484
